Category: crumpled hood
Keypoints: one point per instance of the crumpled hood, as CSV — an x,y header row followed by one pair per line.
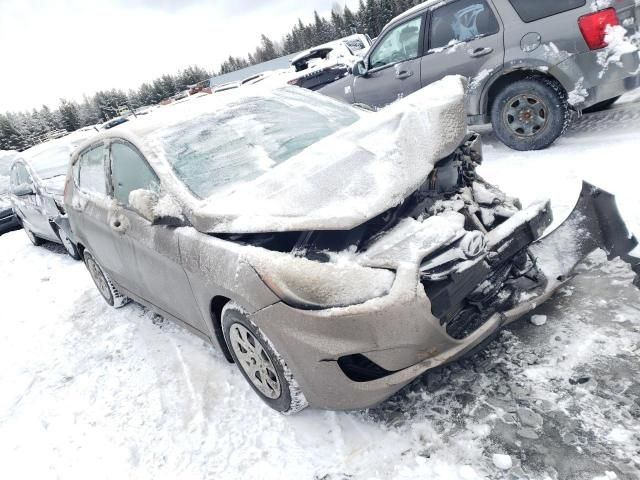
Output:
x,y
351,176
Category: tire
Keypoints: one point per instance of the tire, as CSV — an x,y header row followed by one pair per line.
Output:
x,y
37,241
271,379
68,245
530,114
598,107
105,286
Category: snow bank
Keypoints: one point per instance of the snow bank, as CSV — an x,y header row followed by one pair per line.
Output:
x,y
351,176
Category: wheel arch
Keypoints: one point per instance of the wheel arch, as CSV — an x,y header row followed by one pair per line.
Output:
x,y
505,78
215,310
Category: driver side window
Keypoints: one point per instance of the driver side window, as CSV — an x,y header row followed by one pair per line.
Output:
x,y
130,172
399,45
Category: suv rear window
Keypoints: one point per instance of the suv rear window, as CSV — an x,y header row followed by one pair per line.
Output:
x,y
532,10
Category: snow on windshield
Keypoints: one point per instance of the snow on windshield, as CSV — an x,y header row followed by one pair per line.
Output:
x,y
246,138
51,159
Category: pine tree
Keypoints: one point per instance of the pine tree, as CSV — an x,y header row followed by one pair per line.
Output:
x,y
69,115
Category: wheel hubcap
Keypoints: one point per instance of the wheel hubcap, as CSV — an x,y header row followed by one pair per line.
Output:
x,y
66,242
98,278
254,361
526,115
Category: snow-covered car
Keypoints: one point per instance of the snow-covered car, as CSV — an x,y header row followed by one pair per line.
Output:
x,y
327,63
334,254
37,182
114,122
8,219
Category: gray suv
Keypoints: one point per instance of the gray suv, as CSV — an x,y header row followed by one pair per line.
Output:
x,y
530,63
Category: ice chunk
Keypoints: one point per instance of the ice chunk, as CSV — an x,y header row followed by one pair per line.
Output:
x,y
539,320
503,462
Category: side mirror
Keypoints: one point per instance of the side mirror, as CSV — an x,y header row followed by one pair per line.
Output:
x,y
360,68
159,210
23,190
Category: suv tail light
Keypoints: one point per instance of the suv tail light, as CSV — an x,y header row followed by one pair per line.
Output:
x,y
594,27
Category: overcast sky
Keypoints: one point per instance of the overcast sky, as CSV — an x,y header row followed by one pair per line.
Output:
x,y
66,48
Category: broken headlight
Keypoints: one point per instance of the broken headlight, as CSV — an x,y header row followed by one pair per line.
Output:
x,y
311,285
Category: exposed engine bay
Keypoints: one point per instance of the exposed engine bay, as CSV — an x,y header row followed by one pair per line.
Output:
x,y
489,266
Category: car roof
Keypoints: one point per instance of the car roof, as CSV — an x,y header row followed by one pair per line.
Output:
x,y
414,10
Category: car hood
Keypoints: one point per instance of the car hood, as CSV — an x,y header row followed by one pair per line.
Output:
x,y
351,176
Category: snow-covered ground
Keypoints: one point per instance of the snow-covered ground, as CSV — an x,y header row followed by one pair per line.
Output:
x,y
90,392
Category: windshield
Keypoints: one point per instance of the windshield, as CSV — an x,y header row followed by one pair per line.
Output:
x,y
245,139
51,162
52,159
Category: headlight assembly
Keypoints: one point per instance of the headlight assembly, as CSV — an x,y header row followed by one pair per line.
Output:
x,y
312,285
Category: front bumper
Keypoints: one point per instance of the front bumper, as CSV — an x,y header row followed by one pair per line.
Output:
x,y
400,334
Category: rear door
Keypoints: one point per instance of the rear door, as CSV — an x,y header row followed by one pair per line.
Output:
x,y
393,65
465,37
152,252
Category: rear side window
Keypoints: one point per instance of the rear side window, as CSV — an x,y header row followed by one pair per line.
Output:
x,y
530,10
129,172
91,176
462,21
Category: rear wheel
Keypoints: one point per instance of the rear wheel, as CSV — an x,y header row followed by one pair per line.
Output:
x,y
106,287
530,114
259,363
68,245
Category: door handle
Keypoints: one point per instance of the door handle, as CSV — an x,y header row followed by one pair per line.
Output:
x,y
480,52
403,75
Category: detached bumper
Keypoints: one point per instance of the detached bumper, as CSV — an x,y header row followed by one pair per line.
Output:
x,y
400,334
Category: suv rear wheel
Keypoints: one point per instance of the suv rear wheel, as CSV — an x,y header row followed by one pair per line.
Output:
x,y
530,114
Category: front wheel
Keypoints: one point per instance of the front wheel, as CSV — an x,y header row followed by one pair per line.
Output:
x,y
260,363
530,114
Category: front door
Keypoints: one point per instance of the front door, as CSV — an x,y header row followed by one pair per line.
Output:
x,y
393,66
464,38
152,252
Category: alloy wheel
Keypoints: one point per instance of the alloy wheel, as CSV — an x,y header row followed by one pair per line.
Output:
x,y
98,278
255,361
66,243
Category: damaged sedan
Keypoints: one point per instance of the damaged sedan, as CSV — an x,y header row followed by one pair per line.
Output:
x,y
333,254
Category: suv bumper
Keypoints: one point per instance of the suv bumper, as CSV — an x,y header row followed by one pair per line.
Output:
x,y
398,332
596,76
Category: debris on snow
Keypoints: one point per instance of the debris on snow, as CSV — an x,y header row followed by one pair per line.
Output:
x,y
503,462
539,320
